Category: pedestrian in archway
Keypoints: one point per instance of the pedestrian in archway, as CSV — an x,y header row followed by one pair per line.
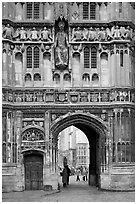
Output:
x,y
78,175
69,173
65,176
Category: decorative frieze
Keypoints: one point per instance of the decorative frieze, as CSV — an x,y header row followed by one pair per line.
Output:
x,y
27,34
69,96
101,34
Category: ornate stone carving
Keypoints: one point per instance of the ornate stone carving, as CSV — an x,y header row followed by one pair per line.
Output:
x,y
102,34
8,32
74,96
61,97
46,34
61,10
75,11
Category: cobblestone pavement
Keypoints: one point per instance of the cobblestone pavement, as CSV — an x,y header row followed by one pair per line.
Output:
x,y
76,192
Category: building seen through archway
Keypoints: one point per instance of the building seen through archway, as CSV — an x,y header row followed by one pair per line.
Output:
x,y
74,145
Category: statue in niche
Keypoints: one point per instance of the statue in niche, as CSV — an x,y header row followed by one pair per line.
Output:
x,y
61,46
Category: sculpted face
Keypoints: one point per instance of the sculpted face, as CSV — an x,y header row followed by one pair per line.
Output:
x,y
61,25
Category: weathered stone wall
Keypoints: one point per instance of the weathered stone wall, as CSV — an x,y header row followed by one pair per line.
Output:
x,y
12,178
120,178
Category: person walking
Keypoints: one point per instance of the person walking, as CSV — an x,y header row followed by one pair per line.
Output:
x,y
78,174
65,176
69,173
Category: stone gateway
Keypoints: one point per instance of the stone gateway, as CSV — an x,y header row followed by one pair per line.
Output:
x,y
68,64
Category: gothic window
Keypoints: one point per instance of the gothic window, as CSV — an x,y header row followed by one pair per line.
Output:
x,y
36,57
14,152
32,10
4,137
37,77
86,57
67,77
4,153
85,10
89,11
119,151
56,78
121,58
93,58
28,77
29,57
33,135
123,152
95,77
29,10
32,57
36,10
120,7
114,152
128,152
86,77
92,11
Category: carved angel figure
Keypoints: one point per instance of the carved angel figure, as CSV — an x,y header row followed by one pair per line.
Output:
x,y
77,34
46,34
8,32
34,34
23,34
91,34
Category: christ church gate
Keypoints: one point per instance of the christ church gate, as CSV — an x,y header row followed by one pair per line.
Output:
x,y
67,64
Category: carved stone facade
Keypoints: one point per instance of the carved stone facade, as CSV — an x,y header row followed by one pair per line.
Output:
x,y
68,64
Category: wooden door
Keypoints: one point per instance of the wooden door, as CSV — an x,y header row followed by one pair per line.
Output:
x,y
33,172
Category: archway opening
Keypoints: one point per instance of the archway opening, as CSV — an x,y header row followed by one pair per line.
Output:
x,y
95,131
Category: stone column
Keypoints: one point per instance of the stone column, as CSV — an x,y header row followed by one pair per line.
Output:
x,y
110,139
18,132
47,132
115,138
117,67
109,65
